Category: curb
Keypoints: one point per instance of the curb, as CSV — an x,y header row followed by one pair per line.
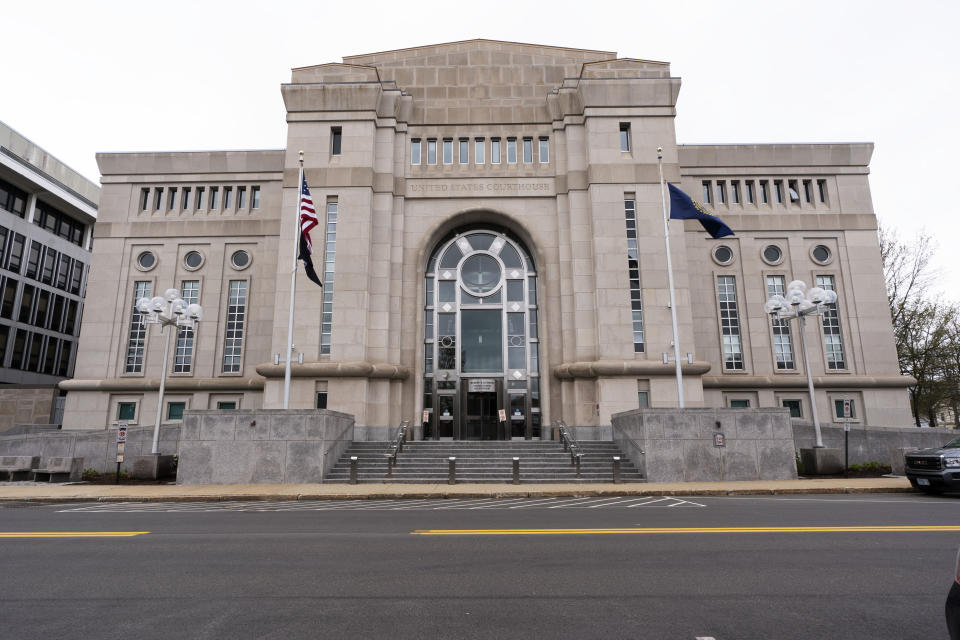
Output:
x,y
446,495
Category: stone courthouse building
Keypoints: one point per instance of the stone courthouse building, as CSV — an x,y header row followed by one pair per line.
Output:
x,y
490,239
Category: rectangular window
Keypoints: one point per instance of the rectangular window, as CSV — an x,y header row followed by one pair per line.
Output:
x,y
8,300
432,151
336,140
624,136
175,410
19,348
807,191
76,278
464,155
321,400
49,263
144,199
729,323
13,200
16,252
329,264
643,399
199,201
63,361
721,192
214,192
778,190
706,192
26,304
171,198
4,341
494,150
43,309
749,191
822,190
227,405
527,150
794,191
735,192
137,337
157,198
126,410
833,341
478,149
838,408
544,151
739,404
227,198
447,151
795,406
255,197
633,272
764,194
241,198
236,317
185,199
511,150
782,342
63,272
33,259
415,151
183,354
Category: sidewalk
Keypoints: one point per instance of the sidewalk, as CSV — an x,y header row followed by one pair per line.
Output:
x,y
41,493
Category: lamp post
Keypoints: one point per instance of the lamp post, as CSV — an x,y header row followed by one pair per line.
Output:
x,y
169,310
799,303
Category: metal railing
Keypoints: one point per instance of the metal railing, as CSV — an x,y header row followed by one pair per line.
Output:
x,y
396,446
570,444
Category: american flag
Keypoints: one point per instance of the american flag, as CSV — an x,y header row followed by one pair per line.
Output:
x,y
308,215
308,220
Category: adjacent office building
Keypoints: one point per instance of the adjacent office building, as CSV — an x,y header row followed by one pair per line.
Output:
x,y
47,211
491,246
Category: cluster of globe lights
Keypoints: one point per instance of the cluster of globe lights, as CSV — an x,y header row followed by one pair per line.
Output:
x,y
170,308
799,301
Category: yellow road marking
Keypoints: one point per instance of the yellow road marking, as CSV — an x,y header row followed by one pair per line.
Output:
x,y
542,532
71,534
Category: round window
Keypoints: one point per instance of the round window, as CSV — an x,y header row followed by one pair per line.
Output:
x,y
193,260
480,273
723,254
772,254
821,253
146,260
240,259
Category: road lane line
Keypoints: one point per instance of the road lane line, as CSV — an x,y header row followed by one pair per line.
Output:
x,y
643,530
71,534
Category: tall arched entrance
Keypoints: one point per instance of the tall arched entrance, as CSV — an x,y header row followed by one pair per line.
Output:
x,y
481,340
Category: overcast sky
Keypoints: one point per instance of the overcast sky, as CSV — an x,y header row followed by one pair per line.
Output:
x,y
83,77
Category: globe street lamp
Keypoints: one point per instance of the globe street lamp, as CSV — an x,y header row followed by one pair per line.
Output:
x,y
799,303
169,310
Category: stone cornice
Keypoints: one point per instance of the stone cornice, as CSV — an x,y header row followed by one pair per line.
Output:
x,y
799,381
603,368
173,384
336,370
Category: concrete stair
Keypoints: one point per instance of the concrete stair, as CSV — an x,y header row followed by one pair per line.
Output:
x,y
484,462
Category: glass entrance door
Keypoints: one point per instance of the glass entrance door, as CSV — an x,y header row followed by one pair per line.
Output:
x,y
481,420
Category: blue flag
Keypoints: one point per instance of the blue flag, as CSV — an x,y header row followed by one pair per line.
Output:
x,y
683,207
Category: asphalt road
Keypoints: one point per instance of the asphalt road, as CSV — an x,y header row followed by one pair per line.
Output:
x,y
379,569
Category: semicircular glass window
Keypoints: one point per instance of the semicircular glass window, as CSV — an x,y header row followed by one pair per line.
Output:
x,y
480,273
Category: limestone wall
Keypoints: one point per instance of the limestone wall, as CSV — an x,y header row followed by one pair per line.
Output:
x,y
97,448
25,405
261,446
677,445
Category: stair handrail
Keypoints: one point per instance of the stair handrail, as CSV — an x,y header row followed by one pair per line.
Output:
x,y
396,446
569,441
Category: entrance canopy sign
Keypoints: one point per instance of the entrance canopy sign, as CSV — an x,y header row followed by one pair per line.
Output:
x,y
482,385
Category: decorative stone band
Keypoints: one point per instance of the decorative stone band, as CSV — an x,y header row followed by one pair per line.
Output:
x,y
629,368
337,370
799,381
173,384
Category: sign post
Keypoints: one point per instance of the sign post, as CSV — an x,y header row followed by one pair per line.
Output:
x,y
121,445
847,414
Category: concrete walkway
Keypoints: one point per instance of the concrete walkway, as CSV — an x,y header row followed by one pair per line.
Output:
x,y
10,492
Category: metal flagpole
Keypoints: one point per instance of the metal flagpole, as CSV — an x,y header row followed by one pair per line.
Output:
x,y
673,306
293,290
